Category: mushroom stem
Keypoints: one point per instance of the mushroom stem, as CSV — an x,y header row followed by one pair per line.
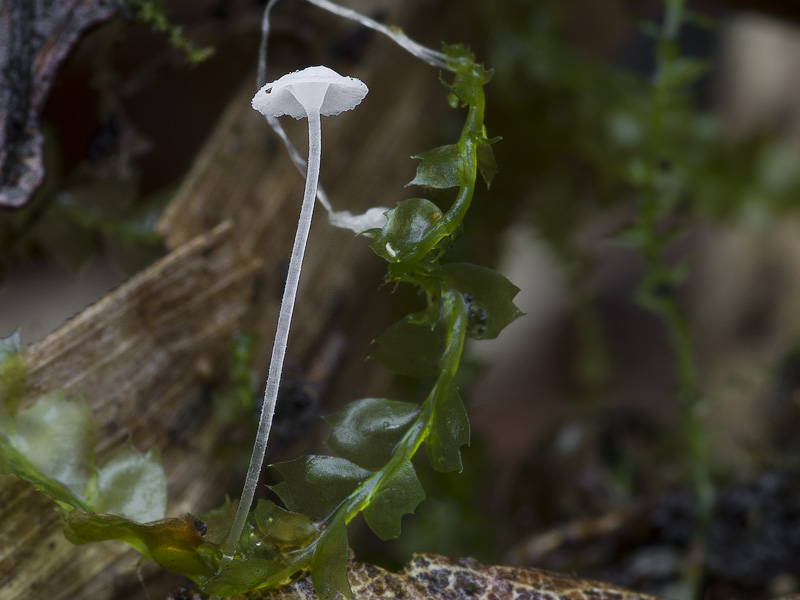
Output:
x,y
282,332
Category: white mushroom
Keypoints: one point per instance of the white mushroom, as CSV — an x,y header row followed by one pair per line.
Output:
x,y
317,89
307,94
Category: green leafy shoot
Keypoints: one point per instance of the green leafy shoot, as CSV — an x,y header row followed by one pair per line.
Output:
x,y
655,229
154,13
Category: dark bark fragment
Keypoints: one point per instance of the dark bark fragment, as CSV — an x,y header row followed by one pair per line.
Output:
x,y
35,37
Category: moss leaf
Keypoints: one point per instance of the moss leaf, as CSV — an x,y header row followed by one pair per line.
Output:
x,y
13,379
329,565
283,529
241,576
449,431
489,297
132,485
487,165
412,348
315,485
367,431
408,231
56,437
440,168
470,77
218,521
398,494
176,544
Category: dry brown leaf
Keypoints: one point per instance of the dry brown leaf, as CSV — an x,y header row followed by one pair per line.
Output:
x,y
430,576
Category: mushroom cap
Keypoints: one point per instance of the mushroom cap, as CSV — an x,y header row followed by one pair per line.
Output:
x,y
292,93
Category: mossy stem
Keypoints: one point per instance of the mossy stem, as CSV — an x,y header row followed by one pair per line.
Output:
x,y
407,447
456,315
656,289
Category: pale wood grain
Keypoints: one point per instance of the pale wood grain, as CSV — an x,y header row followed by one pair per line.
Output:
x,y
133,356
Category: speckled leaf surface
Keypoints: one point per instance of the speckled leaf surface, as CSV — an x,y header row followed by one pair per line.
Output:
x,y
489,296
433,577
